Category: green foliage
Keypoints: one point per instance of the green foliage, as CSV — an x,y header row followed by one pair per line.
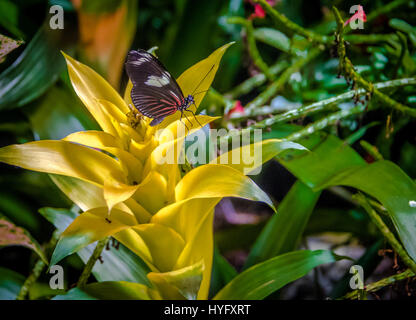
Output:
x,y
347,95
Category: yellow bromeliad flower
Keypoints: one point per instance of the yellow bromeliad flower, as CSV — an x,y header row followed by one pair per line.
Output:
x,y
116,177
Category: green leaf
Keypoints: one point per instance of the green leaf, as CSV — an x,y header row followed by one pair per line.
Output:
x,y
120,264
57,114
273,38
9,17
110,290
12,235
10,284
262,279
222,273
35,70
331,162
284,229
403,26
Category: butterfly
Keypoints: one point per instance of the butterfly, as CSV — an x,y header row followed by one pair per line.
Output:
x,y
155,93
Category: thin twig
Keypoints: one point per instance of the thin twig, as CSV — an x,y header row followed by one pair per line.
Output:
x,y
375,286
290,25
252,47
271,90
91,262
347,68
37,269
375,218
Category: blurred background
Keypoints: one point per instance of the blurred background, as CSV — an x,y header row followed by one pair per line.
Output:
x,y
37,102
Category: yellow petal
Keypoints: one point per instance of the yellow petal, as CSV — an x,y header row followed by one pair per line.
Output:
x,y
193,220
142,151
179,284
211,181
164,244
116,193
198,78
89,227
132,240
65,158
151,193
131,166
113,110
94,139
88,196
178,129
250,157
84,194
91,87
127,93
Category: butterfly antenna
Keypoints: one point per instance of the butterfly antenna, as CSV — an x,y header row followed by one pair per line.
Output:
x,y
201,92
200,82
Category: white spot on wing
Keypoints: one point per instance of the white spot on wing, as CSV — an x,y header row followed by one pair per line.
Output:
x,y
139,61
412,204
155,81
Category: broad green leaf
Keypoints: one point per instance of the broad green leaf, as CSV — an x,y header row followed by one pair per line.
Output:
x,y
9,14
12,235
10,284
273,38
222,273
111,290
57,114
120,264
36,69
262,279
331,162
284,229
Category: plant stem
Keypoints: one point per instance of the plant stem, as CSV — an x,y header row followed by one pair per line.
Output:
x,y
375,286
255,81
271,91
395,244
91,262
325,122
321,105
385,9
37,269
252,47
347,68
290,25
372,150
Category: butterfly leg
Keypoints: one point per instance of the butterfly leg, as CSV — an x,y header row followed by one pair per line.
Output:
x,y
196,119
182,114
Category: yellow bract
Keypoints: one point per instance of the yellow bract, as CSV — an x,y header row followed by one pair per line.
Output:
x,y
118,178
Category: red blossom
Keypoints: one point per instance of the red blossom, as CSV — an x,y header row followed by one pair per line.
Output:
x,y
258,9
238,108
359,14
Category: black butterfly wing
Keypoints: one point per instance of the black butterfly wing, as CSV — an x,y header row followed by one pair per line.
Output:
x,y
155,92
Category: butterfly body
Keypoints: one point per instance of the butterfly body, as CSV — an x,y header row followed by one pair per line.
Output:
x,y
155,93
